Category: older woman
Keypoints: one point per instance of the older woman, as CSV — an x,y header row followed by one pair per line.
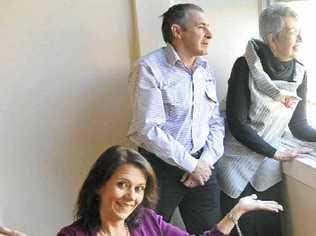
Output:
x,y
266,95
118,193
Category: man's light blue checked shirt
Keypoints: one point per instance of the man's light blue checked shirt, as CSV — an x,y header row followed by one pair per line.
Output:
x,y
175,110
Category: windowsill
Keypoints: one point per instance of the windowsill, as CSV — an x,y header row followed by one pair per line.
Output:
x,y
301,169
299,191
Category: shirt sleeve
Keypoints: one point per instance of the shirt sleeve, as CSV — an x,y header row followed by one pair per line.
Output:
x,y
148,117
214,147
237,110
299,125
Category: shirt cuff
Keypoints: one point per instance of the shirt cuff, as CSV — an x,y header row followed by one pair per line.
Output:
x,y
189,163
209,157
271,153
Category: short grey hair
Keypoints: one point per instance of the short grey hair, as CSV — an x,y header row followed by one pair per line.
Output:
x,y
271,20
176,14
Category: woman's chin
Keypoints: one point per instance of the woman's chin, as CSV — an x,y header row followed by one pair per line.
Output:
x,y
122,213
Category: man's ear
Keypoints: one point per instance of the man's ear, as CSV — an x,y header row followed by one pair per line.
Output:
x,y
176,31
271,42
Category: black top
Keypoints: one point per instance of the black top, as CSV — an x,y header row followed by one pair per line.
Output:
x,y
237,106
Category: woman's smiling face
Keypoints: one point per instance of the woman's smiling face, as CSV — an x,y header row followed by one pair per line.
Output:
x,y
122,193
285,47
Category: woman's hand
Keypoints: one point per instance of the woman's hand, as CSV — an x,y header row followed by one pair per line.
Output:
x,y
246,204
289,101
250,203
8,232
290,154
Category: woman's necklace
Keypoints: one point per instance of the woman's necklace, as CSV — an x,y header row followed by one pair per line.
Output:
x,y
103,233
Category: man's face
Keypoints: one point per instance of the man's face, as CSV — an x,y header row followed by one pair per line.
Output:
x,y
196,36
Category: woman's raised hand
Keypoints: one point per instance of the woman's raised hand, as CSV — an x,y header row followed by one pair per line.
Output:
x,y
250,203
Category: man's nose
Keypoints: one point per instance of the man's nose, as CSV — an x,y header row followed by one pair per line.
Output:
x,y
208,34
299,38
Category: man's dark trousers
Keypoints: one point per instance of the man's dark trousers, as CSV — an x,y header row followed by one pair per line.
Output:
x,y
199,206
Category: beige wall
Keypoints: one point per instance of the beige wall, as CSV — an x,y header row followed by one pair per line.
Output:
x,y
63,100
300,208
63,95
300,202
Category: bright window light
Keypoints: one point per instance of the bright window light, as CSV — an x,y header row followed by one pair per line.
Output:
x,y
307,16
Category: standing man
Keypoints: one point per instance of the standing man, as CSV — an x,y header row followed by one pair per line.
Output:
x,y
176,122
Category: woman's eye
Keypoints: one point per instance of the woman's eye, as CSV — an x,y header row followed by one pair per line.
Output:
x,y
140,189
293,32
122,185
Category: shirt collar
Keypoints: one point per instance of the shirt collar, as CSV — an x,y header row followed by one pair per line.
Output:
x,y
173,57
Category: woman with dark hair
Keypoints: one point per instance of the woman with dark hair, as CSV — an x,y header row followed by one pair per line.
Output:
x,y
119,194
109,162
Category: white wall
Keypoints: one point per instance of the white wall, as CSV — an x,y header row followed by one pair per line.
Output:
x,y
63,100
233,23
63,95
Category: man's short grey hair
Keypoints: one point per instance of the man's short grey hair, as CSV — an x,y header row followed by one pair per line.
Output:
x,y
176,14
271,20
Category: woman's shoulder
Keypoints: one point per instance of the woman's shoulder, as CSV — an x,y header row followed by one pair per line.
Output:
x,y
75,229
150,221
148,214
241,61
153,224
240,71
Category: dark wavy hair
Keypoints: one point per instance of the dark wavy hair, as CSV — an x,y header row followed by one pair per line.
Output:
x,y
176,14
88,203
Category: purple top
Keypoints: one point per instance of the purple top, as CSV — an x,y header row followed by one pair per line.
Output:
x,y
151,225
